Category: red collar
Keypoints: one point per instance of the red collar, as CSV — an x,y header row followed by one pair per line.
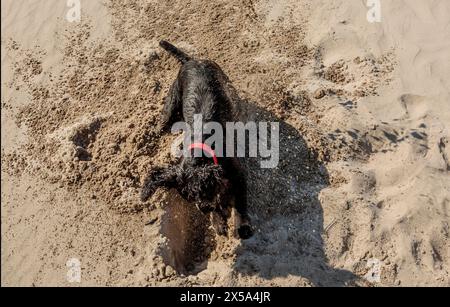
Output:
x,y
207,149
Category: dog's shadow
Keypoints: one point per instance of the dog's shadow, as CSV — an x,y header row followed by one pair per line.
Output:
x,y
285,209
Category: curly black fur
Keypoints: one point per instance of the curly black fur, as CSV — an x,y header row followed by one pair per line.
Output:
x,y
198,89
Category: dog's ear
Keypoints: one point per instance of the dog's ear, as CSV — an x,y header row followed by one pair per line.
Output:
x,y
158,177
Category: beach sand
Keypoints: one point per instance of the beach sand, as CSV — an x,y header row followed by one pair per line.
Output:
x,y
361,196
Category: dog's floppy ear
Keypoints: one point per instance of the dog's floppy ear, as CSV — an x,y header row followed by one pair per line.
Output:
x,y
158,177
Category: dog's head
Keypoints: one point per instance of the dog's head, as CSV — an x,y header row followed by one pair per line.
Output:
x,y
203,184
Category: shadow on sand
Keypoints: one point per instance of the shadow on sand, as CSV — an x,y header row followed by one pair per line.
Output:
x,y
286,211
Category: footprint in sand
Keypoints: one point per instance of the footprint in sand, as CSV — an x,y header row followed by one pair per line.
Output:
x,y
415,106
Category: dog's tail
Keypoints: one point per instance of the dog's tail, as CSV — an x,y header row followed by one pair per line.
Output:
x,y
180,55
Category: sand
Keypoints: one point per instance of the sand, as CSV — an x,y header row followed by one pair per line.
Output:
x,y
362,189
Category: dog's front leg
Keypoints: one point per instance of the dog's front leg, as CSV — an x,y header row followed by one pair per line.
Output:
x,y
172,107
158,177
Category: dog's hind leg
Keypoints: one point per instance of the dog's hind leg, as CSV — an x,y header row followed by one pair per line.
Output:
x,y
172,107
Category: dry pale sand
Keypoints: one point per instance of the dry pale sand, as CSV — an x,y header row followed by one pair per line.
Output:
x,y
365,143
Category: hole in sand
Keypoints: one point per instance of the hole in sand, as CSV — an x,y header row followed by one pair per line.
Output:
x,y
190,239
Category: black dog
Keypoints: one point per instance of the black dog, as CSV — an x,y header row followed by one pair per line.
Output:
x,y
199,89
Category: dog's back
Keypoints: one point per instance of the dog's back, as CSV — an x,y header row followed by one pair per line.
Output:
x,y
201,88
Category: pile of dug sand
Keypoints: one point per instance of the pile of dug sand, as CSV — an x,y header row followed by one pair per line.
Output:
x,y
363,173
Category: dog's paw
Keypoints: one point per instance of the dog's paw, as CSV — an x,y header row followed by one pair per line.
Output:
x,y
245,232
158,177
162,128
147,191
